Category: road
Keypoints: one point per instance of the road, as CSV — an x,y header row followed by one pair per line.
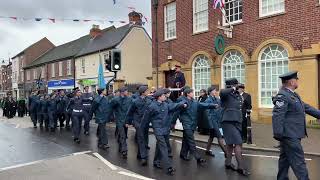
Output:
x,y
28,153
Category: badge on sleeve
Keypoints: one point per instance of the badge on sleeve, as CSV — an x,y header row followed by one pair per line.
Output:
x,y
279,103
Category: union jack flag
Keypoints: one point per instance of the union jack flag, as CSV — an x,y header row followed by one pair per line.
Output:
x,y
218,4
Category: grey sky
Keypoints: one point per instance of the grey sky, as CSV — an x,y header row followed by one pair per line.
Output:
x,y
17,35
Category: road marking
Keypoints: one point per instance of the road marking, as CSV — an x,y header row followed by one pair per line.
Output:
x,y
79,153
109,164
17,126
134,175
250,155
21,165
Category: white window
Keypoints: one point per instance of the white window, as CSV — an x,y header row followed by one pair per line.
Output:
x,y
273,62
28,75
42,69
270,7
35,74
201,75
200,15
69,67
233,66
21,75
233,12
60,68
170,21
83,66
53,70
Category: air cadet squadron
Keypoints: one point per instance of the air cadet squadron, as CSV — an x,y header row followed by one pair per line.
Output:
x,y
33,104
289,127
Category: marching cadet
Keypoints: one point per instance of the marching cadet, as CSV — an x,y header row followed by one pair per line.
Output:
x,y
68,112
121,105
33,99
76,105
61,107
214,117
157,114
231,102
102,110
188,118
43,112
87,99
289,127
39,111
134,116
52,112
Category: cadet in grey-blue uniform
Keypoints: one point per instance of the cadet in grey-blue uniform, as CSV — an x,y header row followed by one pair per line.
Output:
x,y
76,104
289,127
121,106
43,112
33,105
231,103
87,99
62,103
157,113
134,117
52,112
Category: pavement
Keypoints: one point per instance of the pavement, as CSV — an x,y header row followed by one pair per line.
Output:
x,y
28,153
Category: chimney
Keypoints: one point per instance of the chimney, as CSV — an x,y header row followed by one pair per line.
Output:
x,y
95,31
135,18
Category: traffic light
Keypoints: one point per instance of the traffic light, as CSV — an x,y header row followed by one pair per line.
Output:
x,y
107,61
115,60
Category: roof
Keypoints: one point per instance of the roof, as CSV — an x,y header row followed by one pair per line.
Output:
x,y
107,40
20,53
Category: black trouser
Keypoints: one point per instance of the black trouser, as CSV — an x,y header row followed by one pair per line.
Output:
x,y
87,117
21,112
122,138
61,117
67,118
142,150
43,118
244,129
292,155
34,117
52,119
161,154
76,118
102,134
189,145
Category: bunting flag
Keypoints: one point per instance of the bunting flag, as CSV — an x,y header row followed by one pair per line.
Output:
x,y
13,17
218,4
52,19
114,1
38,19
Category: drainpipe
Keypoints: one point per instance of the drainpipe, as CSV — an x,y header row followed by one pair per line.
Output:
x,y
74,72
155,8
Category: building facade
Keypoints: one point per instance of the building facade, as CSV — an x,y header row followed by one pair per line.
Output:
x,y
269,38
6,79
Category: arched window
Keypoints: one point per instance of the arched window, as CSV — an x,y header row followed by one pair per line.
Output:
x,y
233,66
201,75
273,62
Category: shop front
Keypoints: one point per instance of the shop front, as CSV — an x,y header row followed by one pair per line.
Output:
x,y
66,84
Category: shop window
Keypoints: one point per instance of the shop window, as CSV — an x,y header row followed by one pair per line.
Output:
x,y
273,61
201,74
233,66
200,15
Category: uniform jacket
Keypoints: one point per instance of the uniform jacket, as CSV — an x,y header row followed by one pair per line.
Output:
x,y
87,98
231,103
62,102
188,116
179,78
44,106
102,109
158,114
33,103
52,105
121,106
288,115
76,103
202,114
247,105
136,111
214,115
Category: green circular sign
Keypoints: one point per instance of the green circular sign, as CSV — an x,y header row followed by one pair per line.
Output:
x,y
219,44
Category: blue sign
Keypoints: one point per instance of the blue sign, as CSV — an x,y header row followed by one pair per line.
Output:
x,y
61,83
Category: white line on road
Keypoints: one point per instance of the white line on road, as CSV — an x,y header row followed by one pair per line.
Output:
x,y
83,152
134,175
21,165
17,126
250,155
109,164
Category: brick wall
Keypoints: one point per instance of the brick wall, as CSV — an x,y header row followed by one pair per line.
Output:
x,y
298,25
65,74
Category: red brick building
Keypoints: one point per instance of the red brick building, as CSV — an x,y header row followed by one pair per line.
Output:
x,y
269,37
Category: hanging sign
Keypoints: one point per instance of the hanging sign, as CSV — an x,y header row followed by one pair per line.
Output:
x,y
219,44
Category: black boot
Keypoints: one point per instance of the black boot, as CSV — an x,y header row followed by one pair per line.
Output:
x,y
171,171
144,162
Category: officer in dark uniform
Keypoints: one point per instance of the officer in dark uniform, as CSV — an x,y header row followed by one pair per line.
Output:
x,y
52,112
134,116
179,79
121,106
188,118
289,127
246,109
21,107
102,110
61,107
87,99
44,110
157,113
76,104
231,103
33,103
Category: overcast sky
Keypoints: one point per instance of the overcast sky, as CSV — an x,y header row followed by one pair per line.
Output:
x,y
17,35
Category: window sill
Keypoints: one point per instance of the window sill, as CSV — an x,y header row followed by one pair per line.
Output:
x,y
233,24
272,15
200,32
167,40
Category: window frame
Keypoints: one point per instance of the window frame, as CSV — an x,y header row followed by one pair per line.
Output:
x,y
204,57
53,70
69,68
35,73
224,20
61,68
261,15
166,38
195,30
83,65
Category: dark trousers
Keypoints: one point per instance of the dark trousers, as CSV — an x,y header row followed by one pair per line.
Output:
x,y
68,118
141,141
168,144
76,118
292,155
122,139
161,154
21,112
61,118
87,118
102,134
244,131
43,119
189,145
52,119
34,117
